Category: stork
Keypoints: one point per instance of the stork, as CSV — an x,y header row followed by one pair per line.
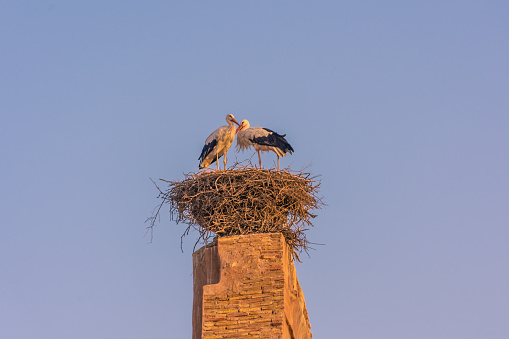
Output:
x,y
218,143
262,140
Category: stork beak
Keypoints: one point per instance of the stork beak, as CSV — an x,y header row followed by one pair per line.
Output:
x,y
238,129
235,121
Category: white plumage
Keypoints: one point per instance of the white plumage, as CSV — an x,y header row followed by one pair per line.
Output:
x,y
218,143
262,140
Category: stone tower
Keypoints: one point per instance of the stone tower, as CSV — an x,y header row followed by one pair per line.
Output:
x,y
246,287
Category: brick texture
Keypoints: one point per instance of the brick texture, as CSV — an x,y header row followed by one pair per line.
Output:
x,y
246,287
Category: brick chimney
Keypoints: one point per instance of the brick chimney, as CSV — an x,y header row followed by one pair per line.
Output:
x,y
246,287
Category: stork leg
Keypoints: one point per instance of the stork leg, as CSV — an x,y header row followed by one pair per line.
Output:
x,y
259,159
278,162
217,161
224,161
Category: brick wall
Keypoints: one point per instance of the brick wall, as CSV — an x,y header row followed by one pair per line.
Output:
x,y
246,287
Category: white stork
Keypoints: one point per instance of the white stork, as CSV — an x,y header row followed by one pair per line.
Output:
x,y
262,140
218,143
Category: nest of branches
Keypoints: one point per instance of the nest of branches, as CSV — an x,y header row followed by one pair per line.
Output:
x,y
244,200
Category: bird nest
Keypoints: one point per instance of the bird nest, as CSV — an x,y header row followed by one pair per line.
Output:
x,y
243,200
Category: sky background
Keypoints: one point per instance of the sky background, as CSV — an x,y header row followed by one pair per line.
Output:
x,y
401,107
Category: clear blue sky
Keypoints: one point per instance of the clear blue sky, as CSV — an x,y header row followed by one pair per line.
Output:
x,y
402,107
